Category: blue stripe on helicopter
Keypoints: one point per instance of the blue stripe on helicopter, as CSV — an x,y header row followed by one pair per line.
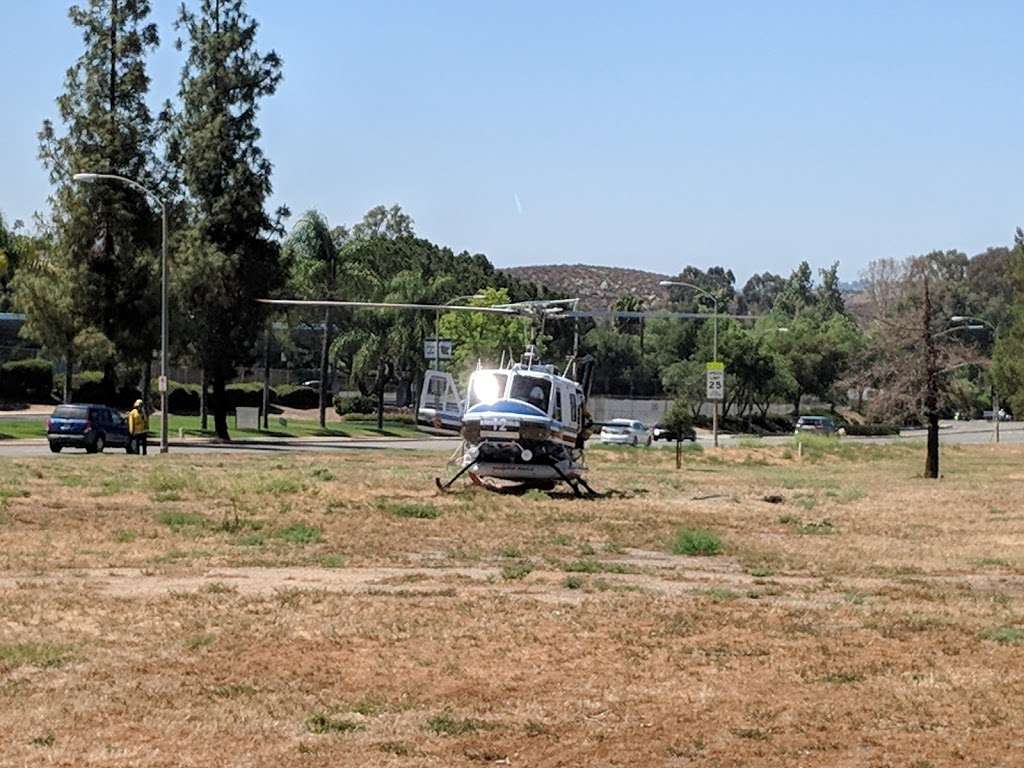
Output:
x,y
508,408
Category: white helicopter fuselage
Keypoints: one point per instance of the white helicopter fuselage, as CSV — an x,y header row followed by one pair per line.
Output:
x,y
521,423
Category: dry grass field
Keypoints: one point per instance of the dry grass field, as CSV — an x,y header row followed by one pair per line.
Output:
x,y
336,610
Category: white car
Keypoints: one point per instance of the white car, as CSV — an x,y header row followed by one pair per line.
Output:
x,y
625,432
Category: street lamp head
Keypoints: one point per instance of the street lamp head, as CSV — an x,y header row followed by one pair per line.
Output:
x,y
85,178
958,318
665,283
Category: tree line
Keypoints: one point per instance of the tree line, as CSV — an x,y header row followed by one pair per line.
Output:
x,y
88,279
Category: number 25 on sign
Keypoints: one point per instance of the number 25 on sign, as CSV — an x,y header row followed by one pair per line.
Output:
x,y
716,381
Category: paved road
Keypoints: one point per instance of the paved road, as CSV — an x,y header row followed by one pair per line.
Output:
x,y
24,448
955,432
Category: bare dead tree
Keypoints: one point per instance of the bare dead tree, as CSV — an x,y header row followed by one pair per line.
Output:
x,y
915,348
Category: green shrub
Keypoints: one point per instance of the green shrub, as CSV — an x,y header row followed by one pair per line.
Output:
x,y
359,404
696,542
246,395
872,430
292,396
182,398
26,380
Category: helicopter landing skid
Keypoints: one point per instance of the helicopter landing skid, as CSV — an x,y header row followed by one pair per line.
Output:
x,y
575,483
443,487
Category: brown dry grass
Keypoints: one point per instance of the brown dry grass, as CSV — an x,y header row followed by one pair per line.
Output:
x,y
310,610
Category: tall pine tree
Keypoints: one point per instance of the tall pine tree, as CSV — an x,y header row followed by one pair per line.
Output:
x,y
107,234
228,257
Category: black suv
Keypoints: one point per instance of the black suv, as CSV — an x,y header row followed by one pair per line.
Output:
x,y
92,427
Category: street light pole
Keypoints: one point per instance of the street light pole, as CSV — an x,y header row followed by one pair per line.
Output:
x,y
714,349
88,178
995,340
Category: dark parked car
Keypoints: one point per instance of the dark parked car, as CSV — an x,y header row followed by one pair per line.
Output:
x,y
822,425
661,432
92,427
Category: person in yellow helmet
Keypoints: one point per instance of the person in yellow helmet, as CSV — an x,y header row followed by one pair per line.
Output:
x,y
138,428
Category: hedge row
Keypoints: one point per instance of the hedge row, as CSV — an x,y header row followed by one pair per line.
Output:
x,y
184,398
26,380
871,430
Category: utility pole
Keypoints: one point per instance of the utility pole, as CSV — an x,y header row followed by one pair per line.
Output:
x,y
714,352
931,399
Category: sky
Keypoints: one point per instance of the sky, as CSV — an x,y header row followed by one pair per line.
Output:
x,y
650,135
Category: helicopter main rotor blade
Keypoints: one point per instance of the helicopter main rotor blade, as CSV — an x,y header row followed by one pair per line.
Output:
x,y
391,305
651,315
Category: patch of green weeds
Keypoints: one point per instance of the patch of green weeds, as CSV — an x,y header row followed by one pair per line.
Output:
x,y
235,523
299,533
397,748
446,725
513,553
755,734
111,486
761,572
251,540
42,655
992,561
534,728
850,494
696,542
322,473
414,511
125,537
332,561
535,494
44,741
818,527
844,677
805,501
278,485
574,581
1005,635
176,521
219,588
202,640
583,566
321,722
722,594
517,570
161,482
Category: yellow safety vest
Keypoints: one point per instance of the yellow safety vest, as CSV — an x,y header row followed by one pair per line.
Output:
x,y
137,422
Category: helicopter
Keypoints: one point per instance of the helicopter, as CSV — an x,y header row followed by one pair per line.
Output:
x,y
523,424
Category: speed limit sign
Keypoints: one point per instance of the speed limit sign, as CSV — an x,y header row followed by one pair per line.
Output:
x,y
715,381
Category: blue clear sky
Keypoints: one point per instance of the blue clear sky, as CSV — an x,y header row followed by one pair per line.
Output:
x,y
654,135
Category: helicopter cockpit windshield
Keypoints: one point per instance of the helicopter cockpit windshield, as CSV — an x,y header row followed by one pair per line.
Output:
x,y
531,389
487,387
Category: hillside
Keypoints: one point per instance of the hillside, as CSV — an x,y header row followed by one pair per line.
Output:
x,y
597,287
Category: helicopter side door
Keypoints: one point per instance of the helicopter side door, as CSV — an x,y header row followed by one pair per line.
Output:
x,y
568,402
441,406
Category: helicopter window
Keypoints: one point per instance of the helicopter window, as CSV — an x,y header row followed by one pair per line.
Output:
x,y
558,405
486,387
573,415
531,390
